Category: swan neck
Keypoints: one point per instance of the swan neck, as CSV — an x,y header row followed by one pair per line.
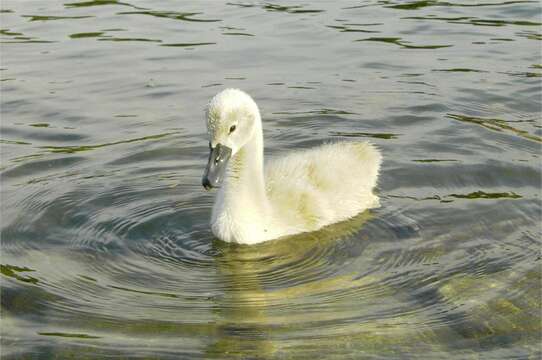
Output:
x,y
245,182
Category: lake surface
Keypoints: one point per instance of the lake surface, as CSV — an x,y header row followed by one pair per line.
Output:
x,y
106,247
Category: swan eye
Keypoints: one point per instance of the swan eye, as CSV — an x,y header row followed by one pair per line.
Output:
x,y
232,128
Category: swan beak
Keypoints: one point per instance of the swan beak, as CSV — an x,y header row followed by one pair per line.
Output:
x,y
216,166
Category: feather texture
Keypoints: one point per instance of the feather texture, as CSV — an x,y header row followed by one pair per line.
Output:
x,y
301,191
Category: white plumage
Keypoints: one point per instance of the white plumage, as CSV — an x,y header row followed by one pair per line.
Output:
x,y
299,192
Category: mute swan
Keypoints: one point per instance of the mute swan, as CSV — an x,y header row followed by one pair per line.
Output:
x,y
302,191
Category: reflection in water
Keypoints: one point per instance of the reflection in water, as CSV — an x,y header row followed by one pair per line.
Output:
x,y
249,326
106,246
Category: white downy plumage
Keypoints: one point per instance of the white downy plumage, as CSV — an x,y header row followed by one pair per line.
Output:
x,y
299,192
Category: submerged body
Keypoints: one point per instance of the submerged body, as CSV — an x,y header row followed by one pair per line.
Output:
x,y
299,192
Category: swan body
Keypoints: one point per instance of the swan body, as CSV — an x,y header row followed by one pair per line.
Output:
x,y
299,192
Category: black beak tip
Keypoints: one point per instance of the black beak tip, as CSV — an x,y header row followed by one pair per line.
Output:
x,y
206,184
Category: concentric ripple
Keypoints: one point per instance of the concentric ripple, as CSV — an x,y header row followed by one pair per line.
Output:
x,y
106,246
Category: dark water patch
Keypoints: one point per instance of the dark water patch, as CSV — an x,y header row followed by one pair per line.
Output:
x,y
41,125
475,21
434,160
22,159
8,32
49,18
237,34
434,197
385,136
411,75
493,174
162,153
416,83
526,74
91,3
14,272
174,15
350,29
415,5
74,149
24,301
301,87
88,278
160,94
363,24
14,142
211,85
43,133
231,28
275,83
484,195
35,167
470,196
292,9
402,43
460,70
317,112
144,292
128,39
235,78
502,39
86,35
28,42
531,35
100,3
188,44
69,335
484,22
243,5
6,11
433,17
494,124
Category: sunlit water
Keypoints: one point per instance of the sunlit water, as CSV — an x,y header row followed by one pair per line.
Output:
x,y
106,247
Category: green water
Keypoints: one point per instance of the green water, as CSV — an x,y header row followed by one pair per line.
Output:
x,y
106,251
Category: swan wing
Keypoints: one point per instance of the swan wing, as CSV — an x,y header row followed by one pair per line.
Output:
x,y
312,188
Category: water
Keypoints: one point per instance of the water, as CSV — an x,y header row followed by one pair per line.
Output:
x,y
106,247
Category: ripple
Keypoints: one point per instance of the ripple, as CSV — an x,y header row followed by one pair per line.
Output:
x,y
14,272
128,39
494,124
174,15
188,44
107,249
237,34
349,28
292,9
35,167
86,35
386,136
75,149
49,18
69,335
402,43
98,3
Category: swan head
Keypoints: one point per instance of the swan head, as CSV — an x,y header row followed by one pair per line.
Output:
x,y
231,117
